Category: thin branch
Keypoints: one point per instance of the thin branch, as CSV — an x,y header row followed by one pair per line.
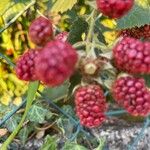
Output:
x,y
7,60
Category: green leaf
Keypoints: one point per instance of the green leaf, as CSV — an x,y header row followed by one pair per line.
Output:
x,y
12,123
99,29
14,8
65,124
101,144
146,78
24,133
37,114
57,93
69,110
138,16
49,144
73,146
66,127
79,27
63,5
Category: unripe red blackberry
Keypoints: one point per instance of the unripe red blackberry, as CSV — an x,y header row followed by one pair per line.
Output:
x,y
25,66
132,55
114,8
62,36
56,63
132,94
137,32
90,105
40,31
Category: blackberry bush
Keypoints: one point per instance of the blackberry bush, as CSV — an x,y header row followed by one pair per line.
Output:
x,y
76,71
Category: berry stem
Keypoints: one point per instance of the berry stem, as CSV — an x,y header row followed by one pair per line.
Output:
x,y
91,28
83,43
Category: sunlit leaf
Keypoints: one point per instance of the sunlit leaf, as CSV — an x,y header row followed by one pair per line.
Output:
x,y
63,5
37,114
4,5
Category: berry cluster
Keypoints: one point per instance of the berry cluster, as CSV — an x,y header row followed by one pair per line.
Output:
x,y
90,105
114,8
40,31
25,67
137,32
56,59
62,36
132,55
132,94
54,62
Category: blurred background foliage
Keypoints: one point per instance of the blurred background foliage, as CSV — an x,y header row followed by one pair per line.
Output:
x,y
14,41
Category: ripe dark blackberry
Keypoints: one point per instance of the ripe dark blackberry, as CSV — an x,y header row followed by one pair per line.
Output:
x,y
62,36
114,8
40,31
132,55
137,32
25,66
132,94
56,63
90,105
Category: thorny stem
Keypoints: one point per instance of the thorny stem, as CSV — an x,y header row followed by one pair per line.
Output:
x,y
91,28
